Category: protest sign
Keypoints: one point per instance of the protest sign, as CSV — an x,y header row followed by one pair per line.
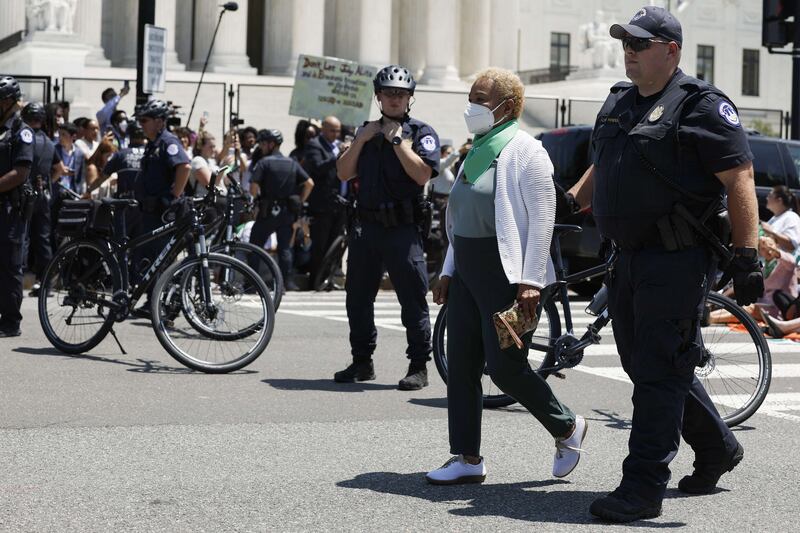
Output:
x,y
328,86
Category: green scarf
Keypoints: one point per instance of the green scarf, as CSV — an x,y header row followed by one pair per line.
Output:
x,y
486,148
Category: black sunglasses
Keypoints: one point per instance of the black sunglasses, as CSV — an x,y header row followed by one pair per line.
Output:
x,y
637,44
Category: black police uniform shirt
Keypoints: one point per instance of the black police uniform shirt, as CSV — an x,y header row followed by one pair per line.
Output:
x,y
16,145
126,163
689,131
16,150
381,177
44,157
158,163
278,176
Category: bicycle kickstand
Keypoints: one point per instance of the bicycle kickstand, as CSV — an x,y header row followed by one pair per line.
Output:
x,y
114,334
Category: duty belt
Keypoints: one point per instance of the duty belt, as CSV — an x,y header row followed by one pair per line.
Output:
x,y
390,214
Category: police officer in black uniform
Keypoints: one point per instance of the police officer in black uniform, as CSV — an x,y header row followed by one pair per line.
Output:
x,y
16,157
281,186
46,164
127,163
665,145
162,178
394,158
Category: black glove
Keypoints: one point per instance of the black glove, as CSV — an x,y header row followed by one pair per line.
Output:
x,y
748,280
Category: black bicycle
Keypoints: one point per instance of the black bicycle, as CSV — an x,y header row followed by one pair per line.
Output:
x,y
223,240
736,370
211,312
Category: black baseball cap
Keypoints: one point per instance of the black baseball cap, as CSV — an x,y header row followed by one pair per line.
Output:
x,y
648,23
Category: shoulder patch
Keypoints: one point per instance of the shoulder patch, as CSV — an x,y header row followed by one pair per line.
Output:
x,y
428,142
26,135
172,149
727,112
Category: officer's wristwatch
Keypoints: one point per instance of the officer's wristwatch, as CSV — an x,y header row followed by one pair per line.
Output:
x,y
745,253
396,140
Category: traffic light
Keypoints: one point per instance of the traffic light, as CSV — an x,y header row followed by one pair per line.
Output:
x,y
776,31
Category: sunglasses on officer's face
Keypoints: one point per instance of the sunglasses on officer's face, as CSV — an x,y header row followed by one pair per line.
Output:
x,y
395,93
637,44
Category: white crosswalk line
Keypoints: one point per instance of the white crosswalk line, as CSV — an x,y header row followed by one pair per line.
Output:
x,y
775,404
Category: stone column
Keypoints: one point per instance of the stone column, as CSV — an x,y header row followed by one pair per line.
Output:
x,y
504,33
13,17
440,28
165,18
126,17
230,48
475,37
363,31
413,39
88,14
292,28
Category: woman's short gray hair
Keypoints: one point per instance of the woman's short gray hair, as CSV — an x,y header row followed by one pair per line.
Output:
x,y
508,85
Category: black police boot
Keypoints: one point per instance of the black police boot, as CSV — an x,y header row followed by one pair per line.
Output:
x,y
705,476
618,507
10,332
357,371
416,378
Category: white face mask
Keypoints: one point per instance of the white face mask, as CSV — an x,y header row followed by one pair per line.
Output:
x,y
123,126
480,118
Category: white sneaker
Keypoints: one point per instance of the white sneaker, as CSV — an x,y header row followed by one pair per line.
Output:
x,y
456,470
568,450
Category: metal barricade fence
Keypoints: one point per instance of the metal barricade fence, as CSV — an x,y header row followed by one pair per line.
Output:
x,y
768,122
34,88
582,111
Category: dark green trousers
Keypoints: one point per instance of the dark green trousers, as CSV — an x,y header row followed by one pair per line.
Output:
x,y
479,289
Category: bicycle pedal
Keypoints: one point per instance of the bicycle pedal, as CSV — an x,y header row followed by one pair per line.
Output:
x,y
559,375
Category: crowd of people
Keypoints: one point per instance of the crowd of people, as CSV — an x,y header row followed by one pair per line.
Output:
x,y
101,156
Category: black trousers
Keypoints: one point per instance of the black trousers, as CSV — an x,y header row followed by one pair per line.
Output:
x,y
477,291
325,227
12,231
656,300
37,247
373,250
281,225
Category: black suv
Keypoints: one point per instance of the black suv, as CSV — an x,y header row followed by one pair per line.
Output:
x,y
776,162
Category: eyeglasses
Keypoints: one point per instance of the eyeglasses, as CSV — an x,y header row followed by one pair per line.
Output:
x,y
395,93
637,44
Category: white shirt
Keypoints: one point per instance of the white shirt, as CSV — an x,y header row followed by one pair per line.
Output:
x,y
198,163
788,224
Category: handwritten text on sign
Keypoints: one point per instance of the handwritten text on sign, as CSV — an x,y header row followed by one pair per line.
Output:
x,y
327,86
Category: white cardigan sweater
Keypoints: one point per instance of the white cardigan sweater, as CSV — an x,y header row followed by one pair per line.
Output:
x,y
524,213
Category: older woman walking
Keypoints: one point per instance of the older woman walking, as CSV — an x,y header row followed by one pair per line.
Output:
x,y
500,221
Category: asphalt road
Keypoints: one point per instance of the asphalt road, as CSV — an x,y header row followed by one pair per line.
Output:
x,y
113,442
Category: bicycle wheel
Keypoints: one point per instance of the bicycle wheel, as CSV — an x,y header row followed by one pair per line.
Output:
x,y
549,328
329,275
76,286
259,260
214,316
739,368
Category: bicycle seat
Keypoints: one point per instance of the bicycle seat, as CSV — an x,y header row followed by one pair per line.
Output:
x,y
563,229
119,202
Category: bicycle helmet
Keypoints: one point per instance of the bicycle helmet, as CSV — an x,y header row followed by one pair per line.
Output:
x,y
154,109
394,77
9,88
270,135
33,111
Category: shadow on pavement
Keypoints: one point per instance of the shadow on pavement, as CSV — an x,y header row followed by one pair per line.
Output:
x,y
327,385
429,402
137,365
611,419
529,501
